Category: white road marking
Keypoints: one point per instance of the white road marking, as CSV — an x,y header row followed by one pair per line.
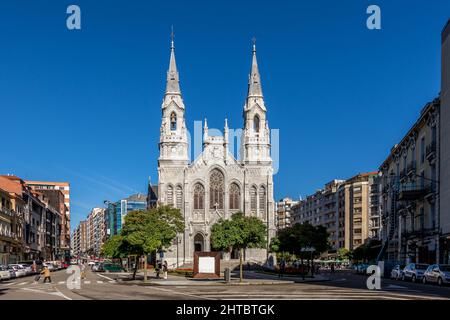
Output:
x,y
393,286
87,282
108,278
181,293
99,281
61,282
21,284
58,293
10,284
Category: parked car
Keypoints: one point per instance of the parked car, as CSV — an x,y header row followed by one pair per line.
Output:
x,y
362,268
397,272
110,267
437,273
95,266
27,268
4,273
19,270
49,265
414,271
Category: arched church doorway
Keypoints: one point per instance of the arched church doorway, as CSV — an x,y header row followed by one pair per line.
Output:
x,y
199,242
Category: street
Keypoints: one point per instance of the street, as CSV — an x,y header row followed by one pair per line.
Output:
x,y
96,286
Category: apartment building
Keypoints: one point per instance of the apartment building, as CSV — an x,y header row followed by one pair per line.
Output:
x,y
79,239
283,210
53,190
95,226
410,192
444,198
349,209
320,208
36,224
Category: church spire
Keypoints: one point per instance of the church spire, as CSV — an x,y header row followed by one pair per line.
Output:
x,y
173,85
254,81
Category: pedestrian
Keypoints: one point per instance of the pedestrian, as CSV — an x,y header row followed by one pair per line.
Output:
x,y
282,267
332,268
46,273
83,271
165,269
158,268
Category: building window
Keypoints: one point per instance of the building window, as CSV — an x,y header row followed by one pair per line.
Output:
x,y
216,189
262,200
179,197
170,195
235,196
256,123
253,200
173,121
199,197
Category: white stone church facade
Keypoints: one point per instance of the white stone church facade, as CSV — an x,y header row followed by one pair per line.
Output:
x,y
215,185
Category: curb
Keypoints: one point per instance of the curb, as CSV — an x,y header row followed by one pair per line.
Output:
x,y
221,283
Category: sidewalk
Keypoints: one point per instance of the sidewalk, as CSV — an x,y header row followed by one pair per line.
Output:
x,y
175,280
296,279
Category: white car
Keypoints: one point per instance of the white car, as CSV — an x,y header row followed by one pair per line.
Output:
x,y
20,271
27,268
4,273
49,265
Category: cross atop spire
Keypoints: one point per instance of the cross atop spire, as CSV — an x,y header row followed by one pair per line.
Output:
x,y
254,81
173,85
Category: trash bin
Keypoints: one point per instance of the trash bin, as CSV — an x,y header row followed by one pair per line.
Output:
x,y
227,275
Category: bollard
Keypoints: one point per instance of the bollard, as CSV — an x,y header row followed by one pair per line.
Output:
x,y
227,275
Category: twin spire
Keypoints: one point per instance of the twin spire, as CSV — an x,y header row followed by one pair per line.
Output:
x,y
173,80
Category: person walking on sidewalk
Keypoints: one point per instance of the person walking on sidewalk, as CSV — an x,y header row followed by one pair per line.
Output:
x,y
282,267
165,269
46,273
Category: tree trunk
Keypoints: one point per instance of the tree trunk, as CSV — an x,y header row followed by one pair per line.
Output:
x,y
145,268
241,253
136,265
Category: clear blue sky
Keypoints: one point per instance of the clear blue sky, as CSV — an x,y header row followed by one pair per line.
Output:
x,y
84,106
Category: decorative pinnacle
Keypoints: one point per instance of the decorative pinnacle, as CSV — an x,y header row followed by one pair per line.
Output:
x,y
172,36
254,44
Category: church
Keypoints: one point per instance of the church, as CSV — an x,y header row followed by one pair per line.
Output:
x,y
216,184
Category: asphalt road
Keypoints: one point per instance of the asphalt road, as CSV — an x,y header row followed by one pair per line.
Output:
x,y
342,285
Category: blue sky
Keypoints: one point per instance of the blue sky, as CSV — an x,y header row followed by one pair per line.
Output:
x,y
84,106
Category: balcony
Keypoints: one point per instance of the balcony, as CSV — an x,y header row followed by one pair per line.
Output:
x,y
403,175
6,212
411,168
420,232
430,152
411,192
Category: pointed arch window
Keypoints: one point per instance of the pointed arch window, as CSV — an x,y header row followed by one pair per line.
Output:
x,y
235,196
173,121
253,200
179,197
256,123
262,200
199,197
216,189
170,195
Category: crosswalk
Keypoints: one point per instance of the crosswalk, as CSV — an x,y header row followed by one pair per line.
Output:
x,y
40,283
318,294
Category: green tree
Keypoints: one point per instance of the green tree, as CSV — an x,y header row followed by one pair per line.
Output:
x,y
344,253
112,248
145,232
299,237
240,232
